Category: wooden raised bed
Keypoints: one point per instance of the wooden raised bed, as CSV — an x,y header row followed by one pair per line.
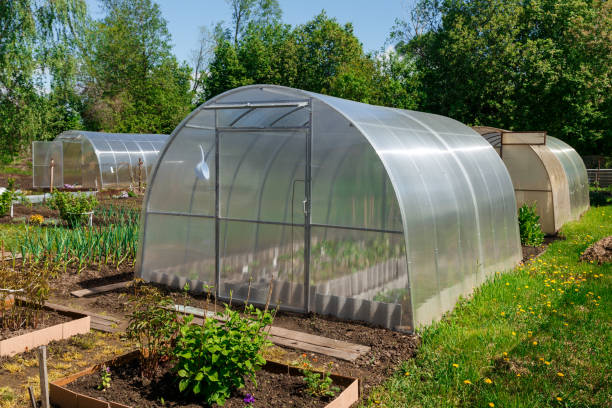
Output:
x,y
80,324
62,397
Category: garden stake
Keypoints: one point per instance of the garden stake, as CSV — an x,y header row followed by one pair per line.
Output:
x,y
32,399
44,380
52,165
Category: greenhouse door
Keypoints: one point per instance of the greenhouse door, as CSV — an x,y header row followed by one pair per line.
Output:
x,y
262,222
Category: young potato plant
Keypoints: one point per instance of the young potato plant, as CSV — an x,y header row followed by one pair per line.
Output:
x,y
213,359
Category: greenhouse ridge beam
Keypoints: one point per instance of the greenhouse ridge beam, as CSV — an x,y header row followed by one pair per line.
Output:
x,y
257,105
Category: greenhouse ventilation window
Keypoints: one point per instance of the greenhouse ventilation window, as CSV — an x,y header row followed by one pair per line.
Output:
x,y
329,206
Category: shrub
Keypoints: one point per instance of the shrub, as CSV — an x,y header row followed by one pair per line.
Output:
x,y
600,196
154,325
6,199
529,226
72,206
213,359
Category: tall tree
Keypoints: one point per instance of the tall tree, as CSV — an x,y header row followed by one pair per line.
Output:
x,y
257,12
35,55
540,64
134,83
321,56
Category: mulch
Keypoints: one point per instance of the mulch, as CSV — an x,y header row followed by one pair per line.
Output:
x,y
127,387
600,252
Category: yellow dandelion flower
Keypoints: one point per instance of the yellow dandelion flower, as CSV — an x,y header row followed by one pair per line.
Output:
x,y
518,375
467,382
559,399
504,353
455,365
561,374
514,333
488,381
535,343
503,313
491,404
547,362
407,373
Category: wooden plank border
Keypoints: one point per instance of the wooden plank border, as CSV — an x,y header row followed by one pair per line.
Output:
x,y
62,397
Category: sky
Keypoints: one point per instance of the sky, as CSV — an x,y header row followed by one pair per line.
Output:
x,y
372,20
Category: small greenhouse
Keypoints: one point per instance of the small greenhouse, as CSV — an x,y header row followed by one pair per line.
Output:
x,y
96,159
327,205
545,171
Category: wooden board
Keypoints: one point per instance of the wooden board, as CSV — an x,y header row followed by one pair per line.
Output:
x,y
7,256
296,339
99,289
108,324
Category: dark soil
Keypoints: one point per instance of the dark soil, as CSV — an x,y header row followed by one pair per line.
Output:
x,y
600,252
91,276
48,318
20,211
530,252
127,387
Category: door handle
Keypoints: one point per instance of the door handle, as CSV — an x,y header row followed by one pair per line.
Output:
x,y
305,206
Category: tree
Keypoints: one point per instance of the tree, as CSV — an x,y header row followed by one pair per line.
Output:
x,y
35,55
320,56
133,82
252,12
536,65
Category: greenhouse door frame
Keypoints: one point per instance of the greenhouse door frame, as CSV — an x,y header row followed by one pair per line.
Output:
x,y
305,130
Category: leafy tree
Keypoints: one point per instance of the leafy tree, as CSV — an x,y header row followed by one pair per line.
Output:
x,y
252,12
133,82
35,55
321,56
539,65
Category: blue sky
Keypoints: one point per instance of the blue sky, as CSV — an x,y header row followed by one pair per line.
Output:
x,y
372,20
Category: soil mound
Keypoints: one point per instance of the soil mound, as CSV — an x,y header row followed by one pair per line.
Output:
x,y
599,252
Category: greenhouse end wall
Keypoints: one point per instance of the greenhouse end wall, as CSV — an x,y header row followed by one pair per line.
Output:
x,y
321,204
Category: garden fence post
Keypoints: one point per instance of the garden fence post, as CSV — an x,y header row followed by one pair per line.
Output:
x,y
44,380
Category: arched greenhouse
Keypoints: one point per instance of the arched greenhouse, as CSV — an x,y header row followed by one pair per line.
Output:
x,y
96,159
545,171
327,205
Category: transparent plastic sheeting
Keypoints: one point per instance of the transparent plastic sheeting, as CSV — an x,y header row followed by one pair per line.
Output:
x,y
95,159
42,154
405,211
576,174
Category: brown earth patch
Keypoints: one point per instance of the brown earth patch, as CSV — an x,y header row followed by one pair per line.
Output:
x,y
600,252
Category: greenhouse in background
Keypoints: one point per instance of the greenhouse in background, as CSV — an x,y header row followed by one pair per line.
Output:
x,y
327,205
95,159
545,171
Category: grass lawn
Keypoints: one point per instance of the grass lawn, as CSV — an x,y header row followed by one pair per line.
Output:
x,y
539,336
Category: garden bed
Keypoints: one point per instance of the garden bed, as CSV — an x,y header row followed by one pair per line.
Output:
x,y
55,326
278,386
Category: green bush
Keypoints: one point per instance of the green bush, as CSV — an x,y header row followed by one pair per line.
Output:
x,y
529,226
213,359
600,196
6,198
72,206
154,325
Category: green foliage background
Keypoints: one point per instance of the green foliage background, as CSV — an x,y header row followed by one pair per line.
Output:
x,y
536,65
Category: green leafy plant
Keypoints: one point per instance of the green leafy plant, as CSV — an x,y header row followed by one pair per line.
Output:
x,y
529,226
213,359
318,384
105,378
72,207
154,324
6,199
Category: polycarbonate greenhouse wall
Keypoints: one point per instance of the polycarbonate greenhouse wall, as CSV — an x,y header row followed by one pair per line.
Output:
x,y
576,174
337,207
96,159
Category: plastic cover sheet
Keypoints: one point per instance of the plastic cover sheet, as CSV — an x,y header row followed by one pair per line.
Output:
x,y
576,173
408,210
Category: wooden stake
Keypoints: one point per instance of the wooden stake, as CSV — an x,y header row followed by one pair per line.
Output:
x,y
140,163
52,165
44,379
32,399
